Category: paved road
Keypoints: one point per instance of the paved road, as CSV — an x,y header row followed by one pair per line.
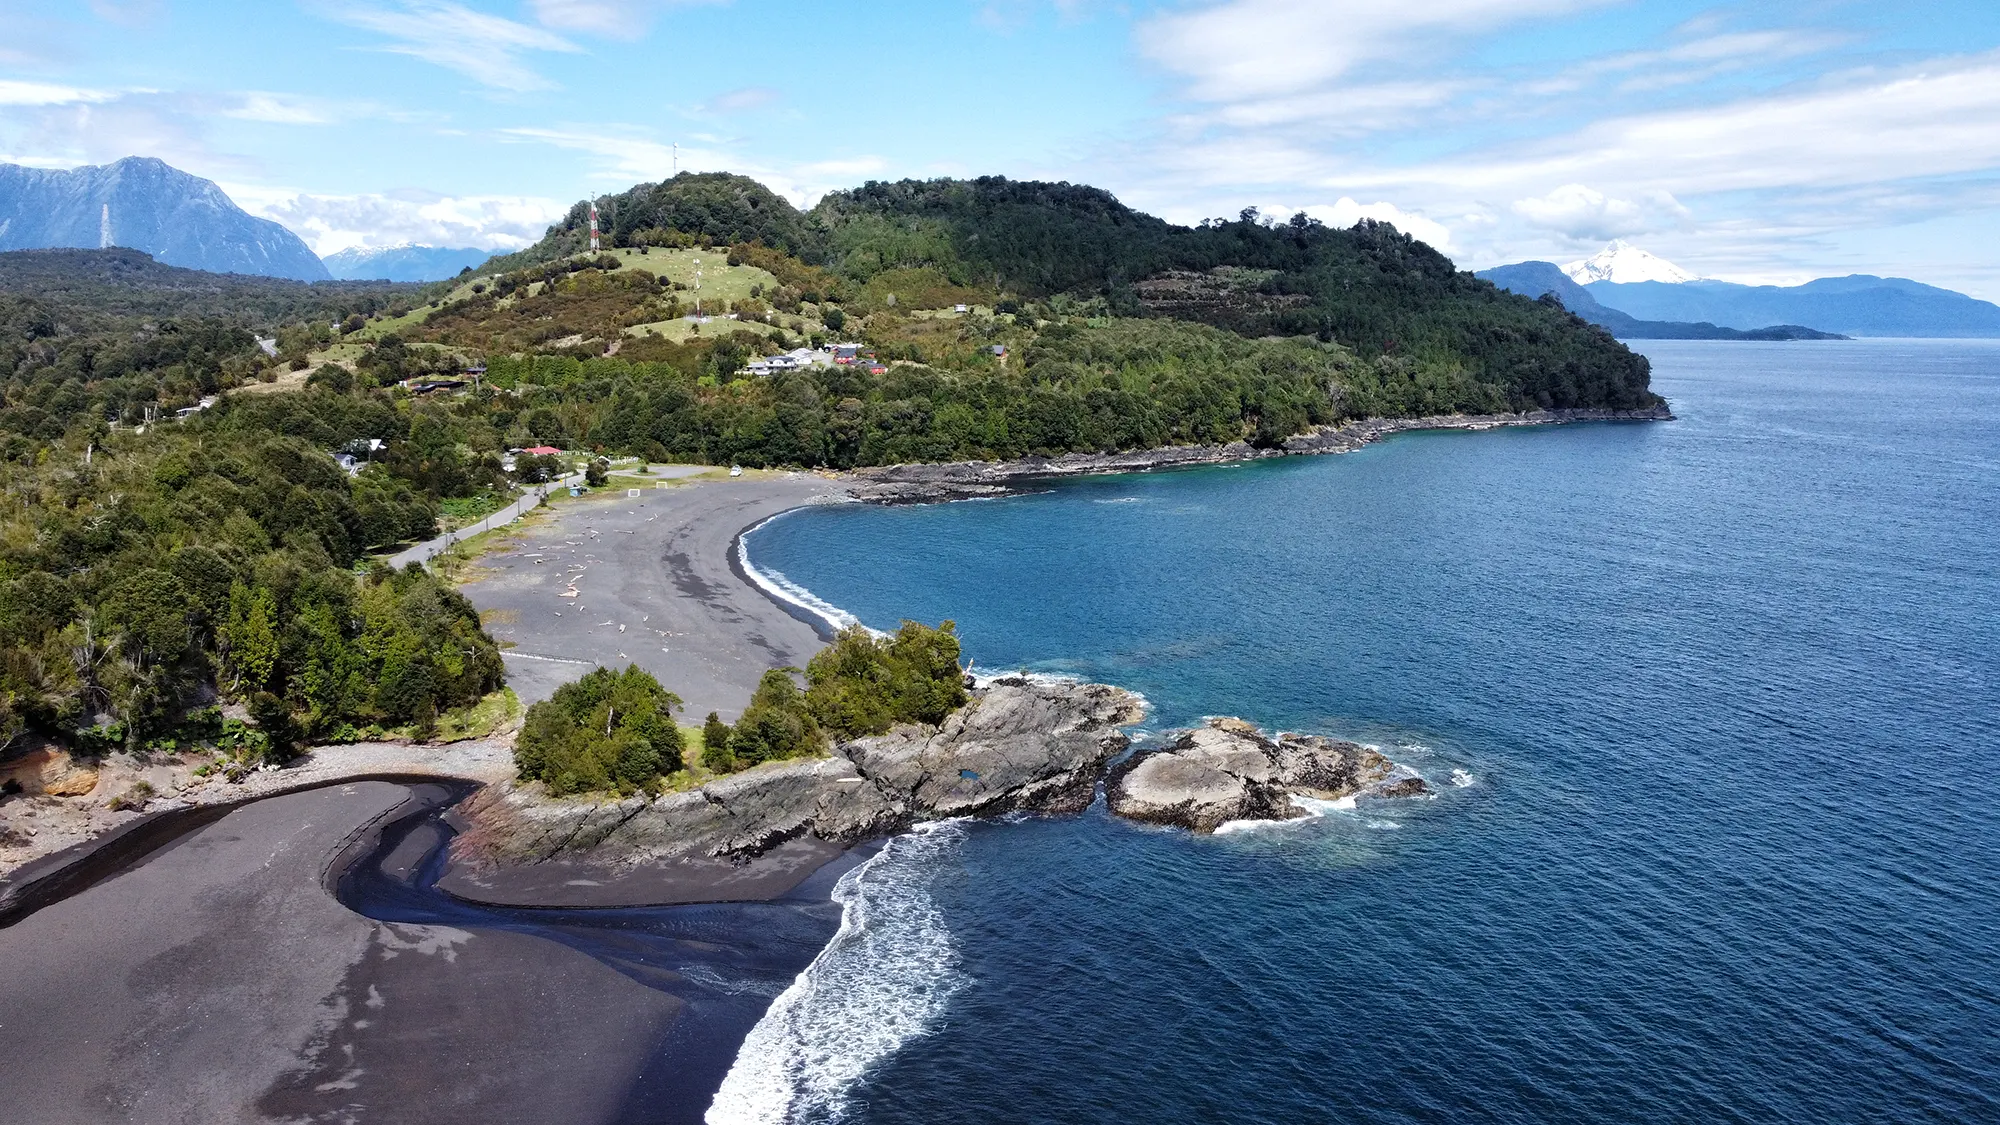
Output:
x,y
616,580
218,983
430,549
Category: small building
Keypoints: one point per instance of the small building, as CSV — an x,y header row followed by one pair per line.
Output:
x,y
845,353
1000,349
960,308
541,451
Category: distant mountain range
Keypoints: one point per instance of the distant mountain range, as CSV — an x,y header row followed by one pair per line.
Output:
x,y
1533,279
403,263
1632,294
148,205
1623,262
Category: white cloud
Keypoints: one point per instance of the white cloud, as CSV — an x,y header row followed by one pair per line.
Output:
x,y
1932,120
625,158
624,19
741,100
1249,49
1345,212
42,93
485,48
278,109
332,223
1584,214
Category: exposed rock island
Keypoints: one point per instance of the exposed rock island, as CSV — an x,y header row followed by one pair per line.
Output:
x,y
1230,771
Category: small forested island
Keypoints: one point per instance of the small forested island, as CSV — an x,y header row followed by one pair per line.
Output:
x,y
205,476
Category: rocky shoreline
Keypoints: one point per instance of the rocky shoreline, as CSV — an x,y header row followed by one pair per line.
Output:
x,y
1020,745
964,480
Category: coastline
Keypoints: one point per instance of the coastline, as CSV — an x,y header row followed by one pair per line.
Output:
x,y
962,480
736,638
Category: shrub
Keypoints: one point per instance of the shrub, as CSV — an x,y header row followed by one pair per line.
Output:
x,y
715,745
609,731
864,684
776,724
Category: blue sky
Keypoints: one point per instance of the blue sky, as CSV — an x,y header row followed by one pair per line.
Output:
x,y
1757,141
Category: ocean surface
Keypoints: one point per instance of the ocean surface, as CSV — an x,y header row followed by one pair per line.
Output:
x,y
1713,712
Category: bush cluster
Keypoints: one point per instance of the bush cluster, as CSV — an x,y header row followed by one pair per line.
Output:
x,y
607,732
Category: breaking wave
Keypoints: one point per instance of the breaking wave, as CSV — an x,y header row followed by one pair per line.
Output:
x,y
784,590
884,979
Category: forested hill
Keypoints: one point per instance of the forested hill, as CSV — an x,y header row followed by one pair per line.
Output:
x,y
1369,288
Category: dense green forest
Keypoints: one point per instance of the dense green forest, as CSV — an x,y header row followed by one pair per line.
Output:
x,y
1369,288
153,571
111,335
161,574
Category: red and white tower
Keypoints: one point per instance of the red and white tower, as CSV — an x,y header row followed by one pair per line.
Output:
x,y
593,226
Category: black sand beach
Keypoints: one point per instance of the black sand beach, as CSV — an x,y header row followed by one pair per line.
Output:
x,y
654,585
217,978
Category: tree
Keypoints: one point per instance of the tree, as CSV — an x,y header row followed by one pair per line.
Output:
x,y
776,724
715,752
537,468
596,472
863,684
273,717
607,732
249,638
833,318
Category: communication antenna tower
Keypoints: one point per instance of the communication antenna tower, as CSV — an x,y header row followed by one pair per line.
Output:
x,y
593,226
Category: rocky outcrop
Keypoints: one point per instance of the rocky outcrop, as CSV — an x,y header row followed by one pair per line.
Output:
x,y
963,480
1350,436
1019,745
1229,770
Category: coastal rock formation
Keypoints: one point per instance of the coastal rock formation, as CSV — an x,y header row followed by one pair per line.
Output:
x,y
962,480
1229,770
1018,745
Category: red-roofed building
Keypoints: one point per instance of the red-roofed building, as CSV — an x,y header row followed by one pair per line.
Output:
x,y
543,451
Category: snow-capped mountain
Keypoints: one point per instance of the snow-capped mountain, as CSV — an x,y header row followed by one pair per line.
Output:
x,y
1622,263
403,263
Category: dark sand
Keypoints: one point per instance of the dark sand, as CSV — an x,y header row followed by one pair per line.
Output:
x,y
659,565
219,981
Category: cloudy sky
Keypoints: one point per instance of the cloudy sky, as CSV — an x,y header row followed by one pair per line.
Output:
x,y
1757,141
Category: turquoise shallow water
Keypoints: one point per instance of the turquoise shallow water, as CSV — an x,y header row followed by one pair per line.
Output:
x,y
1713,711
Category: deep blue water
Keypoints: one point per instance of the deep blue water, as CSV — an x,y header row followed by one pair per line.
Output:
x,y
1725,693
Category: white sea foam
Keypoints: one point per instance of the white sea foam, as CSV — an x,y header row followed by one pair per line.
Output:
x,y
1314,808
1462,778
1384,824
884,979
785,590
710,979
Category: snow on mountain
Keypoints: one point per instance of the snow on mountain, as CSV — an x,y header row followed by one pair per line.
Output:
x,y
1622,263
404,262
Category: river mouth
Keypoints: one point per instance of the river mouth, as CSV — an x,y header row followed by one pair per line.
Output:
x,y
724,962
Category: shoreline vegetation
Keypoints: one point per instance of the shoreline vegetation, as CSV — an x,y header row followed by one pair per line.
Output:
x,y
55,774
186,565
202,482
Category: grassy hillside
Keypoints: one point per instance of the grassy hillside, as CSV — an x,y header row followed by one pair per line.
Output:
x,y
928,244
